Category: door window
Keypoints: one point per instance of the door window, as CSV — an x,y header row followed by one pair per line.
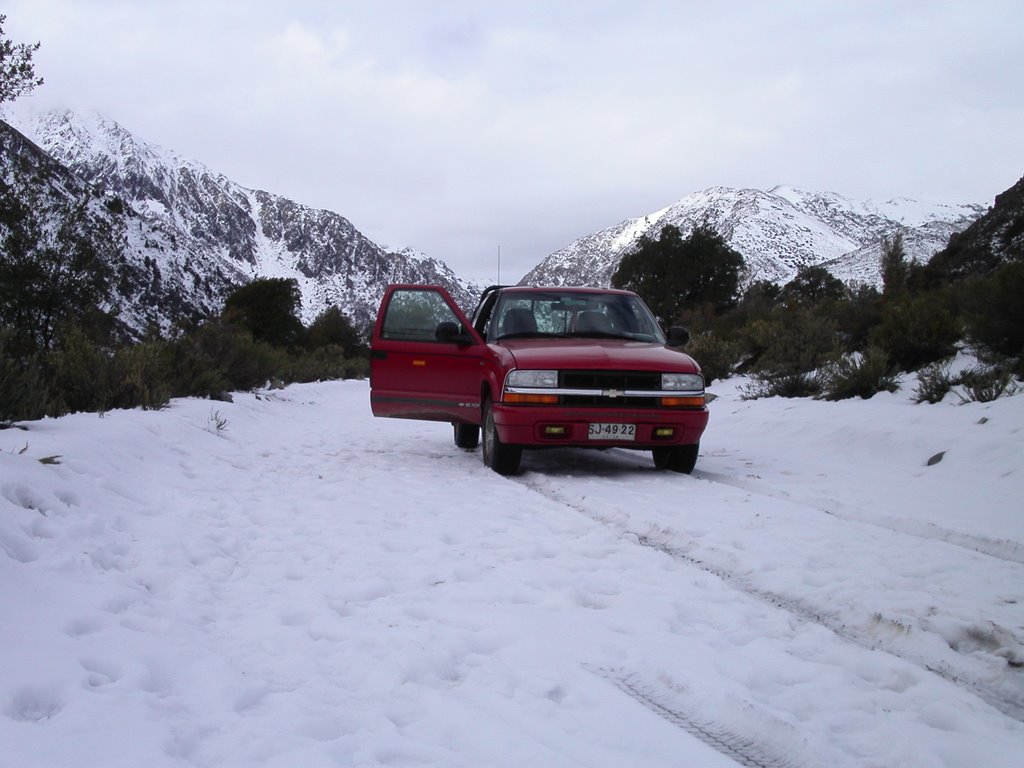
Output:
x,y
415,315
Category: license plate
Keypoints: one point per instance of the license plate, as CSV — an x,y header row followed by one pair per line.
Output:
x,y
611,432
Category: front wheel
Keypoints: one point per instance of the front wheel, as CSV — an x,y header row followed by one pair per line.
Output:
x,y
466,435
503,459
679,458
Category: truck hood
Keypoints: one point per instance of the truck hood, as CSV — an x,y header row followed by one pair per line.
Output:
x,y
604,354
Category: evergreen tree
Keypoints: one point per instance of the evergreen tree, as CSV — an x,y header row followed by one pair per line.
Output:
x,y
813,285
53,273
332,328
673,273
17,72
895,268
268,309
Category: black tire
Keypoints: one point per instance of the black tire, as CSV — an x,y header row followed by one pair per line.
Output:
x,y
679,458
467,435
503,459
660,457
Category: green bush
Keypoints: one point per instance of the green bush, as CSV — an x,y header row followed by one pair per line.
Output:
x,y
143,375
859,375
716,355
917,330
793,341
854,317
994,310
806,384
23,389
220,356
80,375
325,364
213,358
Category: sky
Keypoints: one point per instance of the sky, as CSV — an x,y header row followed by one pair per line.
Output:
x,y
466,129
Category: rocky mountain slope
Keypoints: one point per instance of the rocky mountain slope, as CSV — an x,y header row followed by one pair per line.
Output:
x,y
995,238
157,276
204,234
777,232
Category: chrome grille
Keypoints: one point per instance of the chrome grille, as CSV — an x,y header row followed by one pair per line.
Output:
x,y
610,380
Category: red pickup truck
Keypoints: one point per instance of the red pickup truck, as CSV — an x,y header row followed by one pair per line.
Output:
x,y
536,368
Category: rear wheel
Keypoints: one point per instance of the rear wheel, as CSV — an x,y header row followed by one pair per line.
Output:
x,y
466,435
678,458
503,459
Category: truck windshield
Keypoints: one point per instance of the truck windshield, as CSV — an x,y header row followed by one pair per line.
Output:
x,y
540,314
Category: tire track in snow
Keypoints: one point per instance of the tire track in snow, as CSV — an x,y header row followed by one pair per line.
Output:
x,y
750,752
1008,701
1010,551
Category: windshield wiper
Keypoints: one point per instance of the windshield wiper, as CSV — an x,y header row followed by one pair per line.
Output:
x,y
604,335
531,335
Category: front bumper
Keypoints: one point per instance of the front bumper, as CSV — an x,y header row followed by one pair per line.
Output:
x,y
529,426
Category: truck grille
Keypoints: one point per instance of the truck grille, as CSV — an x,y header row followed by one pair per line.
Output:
x,y
618,380
609,381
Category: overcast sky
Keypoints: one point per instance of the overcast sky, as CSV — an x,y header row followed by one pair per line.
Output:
x,y
455,127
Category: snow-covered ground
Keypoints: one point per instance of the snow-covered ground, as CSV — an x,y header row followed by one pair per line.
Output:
x,y
285,581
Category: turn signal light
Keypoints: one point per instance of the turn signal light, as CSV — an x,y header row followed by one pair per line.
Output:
x,y
513,397
683,402
552,430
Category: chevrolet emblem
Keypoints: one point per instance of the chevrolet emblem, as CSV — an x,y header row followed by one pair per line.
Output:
x,y
613,393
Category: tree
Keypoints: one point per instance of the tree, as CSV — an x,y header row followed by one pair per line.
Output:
x,y
813,285
54,268
994,311
895,269
267,308
17,72
673,273
333,328
763,292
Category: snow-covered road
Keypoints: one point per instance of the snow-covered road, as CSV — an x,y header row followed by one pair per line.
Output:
x,y
284,581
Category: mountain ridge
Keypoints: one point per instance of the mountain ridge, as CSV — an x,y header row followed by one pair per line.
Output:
x,y
247,233
190,235
777,231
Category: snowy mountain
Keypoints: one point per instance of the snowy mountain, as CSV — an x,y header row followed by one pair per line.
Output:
x,y
156,276
195,227
777,232
188,235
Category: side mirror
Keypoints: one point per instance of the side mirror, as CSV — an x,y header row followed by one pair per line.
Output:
x,y
678,336
451,333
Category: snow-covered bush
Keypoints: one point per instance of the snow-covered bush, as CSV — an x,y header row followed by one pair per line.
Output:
x,y
934,382
859,375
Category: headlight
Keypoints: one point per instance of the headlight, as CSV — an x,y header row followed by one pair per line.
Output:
x,y
682,382
529,379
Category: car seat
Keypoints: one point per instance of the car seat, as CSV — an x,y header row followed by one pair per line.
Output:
x,y
518,320
592,321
